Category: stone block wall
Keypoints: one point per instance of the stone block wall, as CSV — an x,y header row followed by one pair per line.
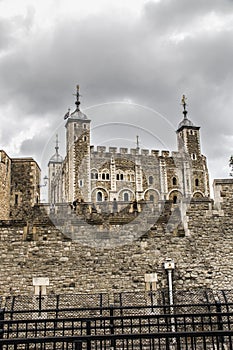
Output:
x,y
203,256
5,185
25,186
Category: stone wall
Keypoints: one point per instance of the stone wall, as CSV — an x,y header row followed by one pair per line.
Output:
x,y
5,185
25,186
203,256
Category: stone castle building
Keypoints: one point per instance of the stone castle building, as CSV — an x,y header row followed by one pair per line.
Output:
x,y
91,175
96,251
19,186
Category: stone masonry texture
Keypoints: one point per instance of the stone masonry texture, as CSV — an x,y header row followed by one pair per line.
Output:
x,y
203,254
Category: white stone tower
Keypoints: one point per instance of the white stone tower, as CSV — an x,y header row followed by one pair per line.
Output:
x,y
76,183
54,175
195,172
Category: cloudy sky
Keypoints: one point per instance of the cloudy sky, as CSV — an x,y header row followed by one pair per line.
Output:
x,y
133,60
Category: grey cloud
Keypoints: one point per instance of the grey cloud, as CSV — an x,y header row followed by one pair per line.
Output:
x,y
113,59
169,15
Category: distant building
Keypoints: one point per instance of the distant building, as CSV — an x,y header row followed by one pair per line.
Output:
x,y
19,186
91,175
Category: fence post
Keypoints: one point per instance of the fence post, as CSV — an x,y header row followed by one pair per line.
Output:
x,y
1,325
78,345
112,326
88,334
219,319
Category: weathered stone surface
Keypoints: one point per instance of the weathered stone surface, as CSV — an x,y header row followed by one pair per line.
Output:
x,y
203,256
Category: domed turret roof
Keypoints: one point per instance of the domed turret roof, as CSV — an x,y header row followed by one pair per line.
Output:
x,y
185,122
77,114
56,158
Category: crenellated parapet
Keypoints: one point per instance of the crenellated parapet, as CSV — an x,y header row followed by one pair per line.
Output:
x,y
129,151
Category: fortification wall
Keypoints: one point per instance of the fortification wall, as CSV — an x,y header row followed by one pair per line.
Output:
x,y
203,256
5,185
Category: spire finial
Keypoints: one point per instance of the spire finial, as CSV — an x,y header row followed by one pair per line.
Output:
x,y
57,142
77,98
183,102
137,137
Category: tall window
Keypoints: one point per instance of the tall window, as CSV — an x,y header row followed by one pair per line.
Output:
x,y
174,181
175,199
99,196
196,182
151,198
126,197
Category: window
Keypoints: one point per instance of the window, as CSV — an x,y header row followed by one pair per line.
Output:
x,y
84,126
196,182
151,198
103,176
107,176
126,197
122,177
99,196
194,156
80,183
16,199
174,199
151,180
84,138
118,177
94,174
174,181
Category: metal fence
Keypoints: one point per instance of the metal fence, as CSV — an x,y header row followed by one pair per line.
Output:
x,y
202,320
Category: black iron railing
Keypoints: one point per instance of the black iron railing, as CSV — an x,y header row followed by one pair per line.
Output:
x,y
123,328
198,320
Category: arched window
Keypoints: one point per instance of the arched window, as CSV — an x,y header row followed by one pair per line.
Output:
x,y
126,197
96,176
84,138
118,177
99,196
196,182
152,198
107,176
151,180
174,181
174,199
122,177
103,176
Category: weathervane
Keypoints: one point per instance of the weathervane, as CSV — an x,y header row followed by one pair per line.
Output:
x,y
57,142
77,97
137,137
183,102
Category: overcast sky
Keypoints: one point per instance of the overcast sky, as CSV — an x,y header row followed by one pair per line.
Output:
x,y
133,60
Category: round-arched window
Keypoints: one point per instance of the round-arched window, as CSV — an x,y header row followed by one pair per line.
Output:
x,y
99,196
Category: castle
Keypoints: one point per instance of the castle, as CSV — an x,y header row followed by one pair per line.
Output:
x,y
89,175
99,251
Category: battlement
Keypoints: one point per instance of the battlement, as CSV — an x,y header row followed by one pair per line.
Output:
x,y
132,151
